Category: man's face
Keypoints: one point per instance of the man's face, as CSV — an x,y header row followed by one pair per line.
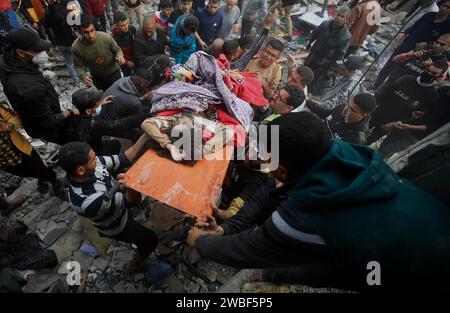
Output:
x,y
295,79
440,46
212,8
279,103
149,30
167,11
89,34
340,19
352,113
444,9
231,4
86,170
269,55
122,26
186,6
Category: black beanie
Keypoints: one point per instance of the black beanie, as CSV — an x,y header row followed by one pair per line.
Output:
x,y
366,102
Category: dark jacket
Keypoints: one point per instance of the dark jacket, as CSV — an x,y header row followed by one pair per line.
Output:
x,y
91,131
5,27
364,212
55,20
355,133
361,210
209,25
330,45
125,41
33,97
144,48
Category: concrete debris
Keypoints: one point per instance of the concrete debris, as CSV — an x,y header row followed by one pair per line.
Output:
x,y
84,259
100,263
120,257
49,231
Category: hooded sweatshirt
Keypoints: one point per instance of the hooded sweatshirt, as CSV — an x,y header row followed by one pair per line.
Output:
x,y
127,101
33,97
364,212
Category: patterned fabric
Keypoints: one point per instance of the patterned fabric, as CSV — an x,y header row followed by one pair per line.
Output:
x,y
9,155
96,199
209,88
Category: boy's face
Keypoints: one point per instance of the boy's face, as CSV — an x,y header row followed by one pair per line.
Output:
x,y
122,26
186,6
167,11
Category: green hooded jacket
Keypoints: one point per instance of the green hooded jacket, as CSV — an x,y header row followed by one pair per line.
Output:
x,y
364,212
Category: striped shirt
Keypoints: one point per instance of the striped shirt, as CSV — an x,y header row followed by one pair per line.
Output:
x,y
98,198
241,63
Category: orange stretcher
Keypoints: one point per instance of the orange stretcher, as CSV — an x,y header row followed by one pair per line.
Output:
x,y
191,189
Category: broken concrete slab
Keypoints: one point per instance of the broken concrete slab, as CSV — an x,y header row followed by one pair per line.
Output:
x,y
100,263
120,257
27,189
49,231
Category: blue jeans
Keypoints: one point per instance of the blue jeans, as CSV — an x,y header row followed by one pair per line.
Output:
x,y
67,55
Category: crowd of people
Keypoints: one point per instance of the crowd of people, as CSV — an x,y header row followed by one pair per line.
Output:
x,y
331,206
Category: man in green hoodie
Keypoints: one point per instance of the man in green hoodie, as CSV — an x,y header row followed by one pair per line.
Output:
x,y
334,207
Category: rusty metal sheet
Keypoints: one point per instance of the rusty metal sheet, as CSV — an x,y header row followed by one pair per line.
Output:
x,y
191,189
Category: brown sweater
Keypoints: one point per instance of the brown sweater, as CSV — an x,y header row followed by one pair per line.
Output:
x,y
362,21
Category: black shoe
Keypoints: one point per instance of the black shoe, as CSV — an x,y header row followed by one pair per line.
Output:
x,y
58,189
42,186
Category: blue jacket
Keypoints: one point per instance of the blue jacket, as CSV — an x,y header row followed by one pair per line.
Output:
x,y
181,45
209,24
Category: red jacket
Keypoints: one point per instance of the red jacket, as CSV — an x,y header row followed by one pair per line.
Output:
x,y
96,7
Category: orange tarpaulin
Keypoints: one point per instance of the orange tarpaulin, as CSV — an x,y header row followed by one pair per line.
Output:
x,y
191,189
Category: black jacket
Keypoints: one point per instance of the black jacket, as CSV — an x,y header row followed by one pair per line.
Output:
x,y
330,45
55,20
144,48
91,131
356,133
33,97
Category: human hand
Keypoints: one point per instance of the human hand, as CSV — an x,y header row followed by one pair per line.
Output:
x,y
270,19
402,126
193,235
5,127
419,53
88,81
389,126
235,28
108,100
121,60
